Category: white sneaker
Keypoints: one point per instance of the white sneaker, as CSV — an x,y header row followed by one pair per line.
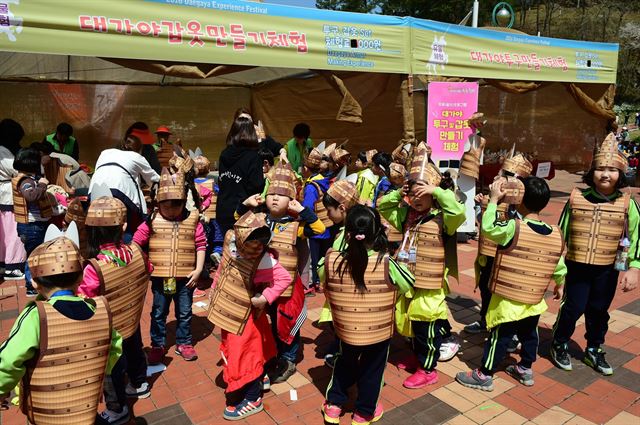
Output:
x,y
143,391
448,349
114,418
13,275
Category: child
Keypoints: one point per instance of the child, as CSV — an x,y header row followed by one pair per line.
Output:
x,y
120,273
31,205
515,166
382,169
177,245
596,222
316,186
247,268
215,238
432,217
529,255
266,156
339,199
61,345
361,286
367,179
288,312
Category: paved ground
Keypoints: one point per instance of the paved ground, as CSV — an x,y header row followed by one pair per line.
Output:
x,y
191,393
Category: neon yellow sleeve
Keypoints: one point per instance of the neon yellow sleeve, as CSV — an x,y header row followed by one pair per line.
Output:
x,y
500,232
452,211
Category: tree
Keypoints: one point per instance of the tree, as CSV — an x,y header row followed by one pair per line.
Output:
x,y
361,6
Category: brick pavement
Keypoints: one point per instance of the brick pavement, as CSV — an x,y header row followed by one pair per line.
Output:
x,y
191,393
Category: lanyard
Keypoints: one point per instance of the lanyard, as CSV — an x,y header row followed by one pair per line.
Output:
x,y
113,257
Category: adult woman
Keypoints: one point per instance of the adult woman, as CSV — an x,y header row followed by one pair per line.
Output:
x,y
264,141
121,170
240,171
12,254
595,222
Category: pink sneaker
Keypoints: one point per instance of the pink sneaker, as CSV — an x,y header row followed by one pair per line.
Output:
x,y
199,293
359,419
420,379
409,363
187,352
331,413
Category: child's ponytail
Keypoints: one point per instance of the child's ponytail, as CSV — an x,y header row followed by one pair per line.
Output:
x,y
364,231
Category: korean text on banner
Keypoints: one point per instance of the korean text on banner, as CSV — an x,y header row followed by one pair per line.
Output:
x,y
450,107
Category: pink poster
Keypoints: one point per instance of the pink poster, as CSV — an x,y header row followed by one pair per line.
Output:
x,y
450,106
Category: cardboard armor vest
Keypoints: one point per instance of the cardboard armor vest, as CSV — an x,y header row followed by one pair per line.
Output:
x,y
485,245
20,206
63,383
284,241
171,248
360,318
125,289
230,300
165,153
595,229
430,258
320,209
55,171
470,164
522,271
210,212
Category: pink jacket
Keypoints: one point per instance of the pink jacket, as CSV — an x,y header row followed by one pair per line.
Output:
x,y
205,197
90,286
142,235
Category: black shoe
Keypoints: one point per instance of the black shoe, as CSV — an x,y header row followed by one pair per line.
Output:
x,y
282,371
560,356
594,357
31,292
330,360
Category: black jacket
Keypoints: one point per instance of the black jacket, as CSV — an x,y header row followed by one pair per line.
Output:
x,y
240,176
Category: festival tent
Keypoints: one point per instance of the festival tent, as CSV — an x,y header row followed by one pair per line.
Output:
x,y
189,64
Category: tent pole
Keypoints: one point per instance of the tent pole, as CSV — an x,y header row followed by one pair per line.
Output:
x,y
68,68
408,122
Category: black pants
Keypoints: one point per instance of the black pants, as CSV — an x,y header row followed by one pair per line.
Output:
x,y
318,248
495,349
134,363
361,365
588,290
485,293
427,339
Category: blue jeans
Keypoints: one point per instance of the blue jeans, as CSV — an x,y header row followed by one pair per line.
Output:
x,y
31,235
161,302
286,351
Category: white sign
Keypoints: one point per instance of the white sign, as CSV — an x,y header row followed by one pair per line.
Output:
x,y
544,168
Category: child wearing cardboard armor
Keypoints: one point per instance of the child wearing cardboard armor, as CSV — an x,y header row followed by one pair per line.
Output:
x,y
253,274
367,179
529,255
361,284
120,272
61,345
600,225
429,220
513,167
177,244
290,224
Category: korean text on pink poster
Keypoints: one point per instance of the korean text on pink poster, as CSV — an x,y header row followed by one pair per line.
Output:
x,y
450,107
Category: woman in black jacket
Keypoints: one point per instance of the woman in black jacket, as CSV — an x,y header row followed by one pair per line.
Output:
x,y
240,171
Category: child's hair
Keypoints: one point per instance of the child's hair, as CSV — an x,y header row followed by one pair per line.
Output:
x,y
100,235
266,155
27,161
11,132
365,231
329,201
536,193
302,130
362,156
383,160
588,179
42,147
62,280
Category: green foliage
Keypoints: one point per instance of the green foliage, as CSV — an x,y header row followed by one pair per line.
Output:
x,y
361,6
